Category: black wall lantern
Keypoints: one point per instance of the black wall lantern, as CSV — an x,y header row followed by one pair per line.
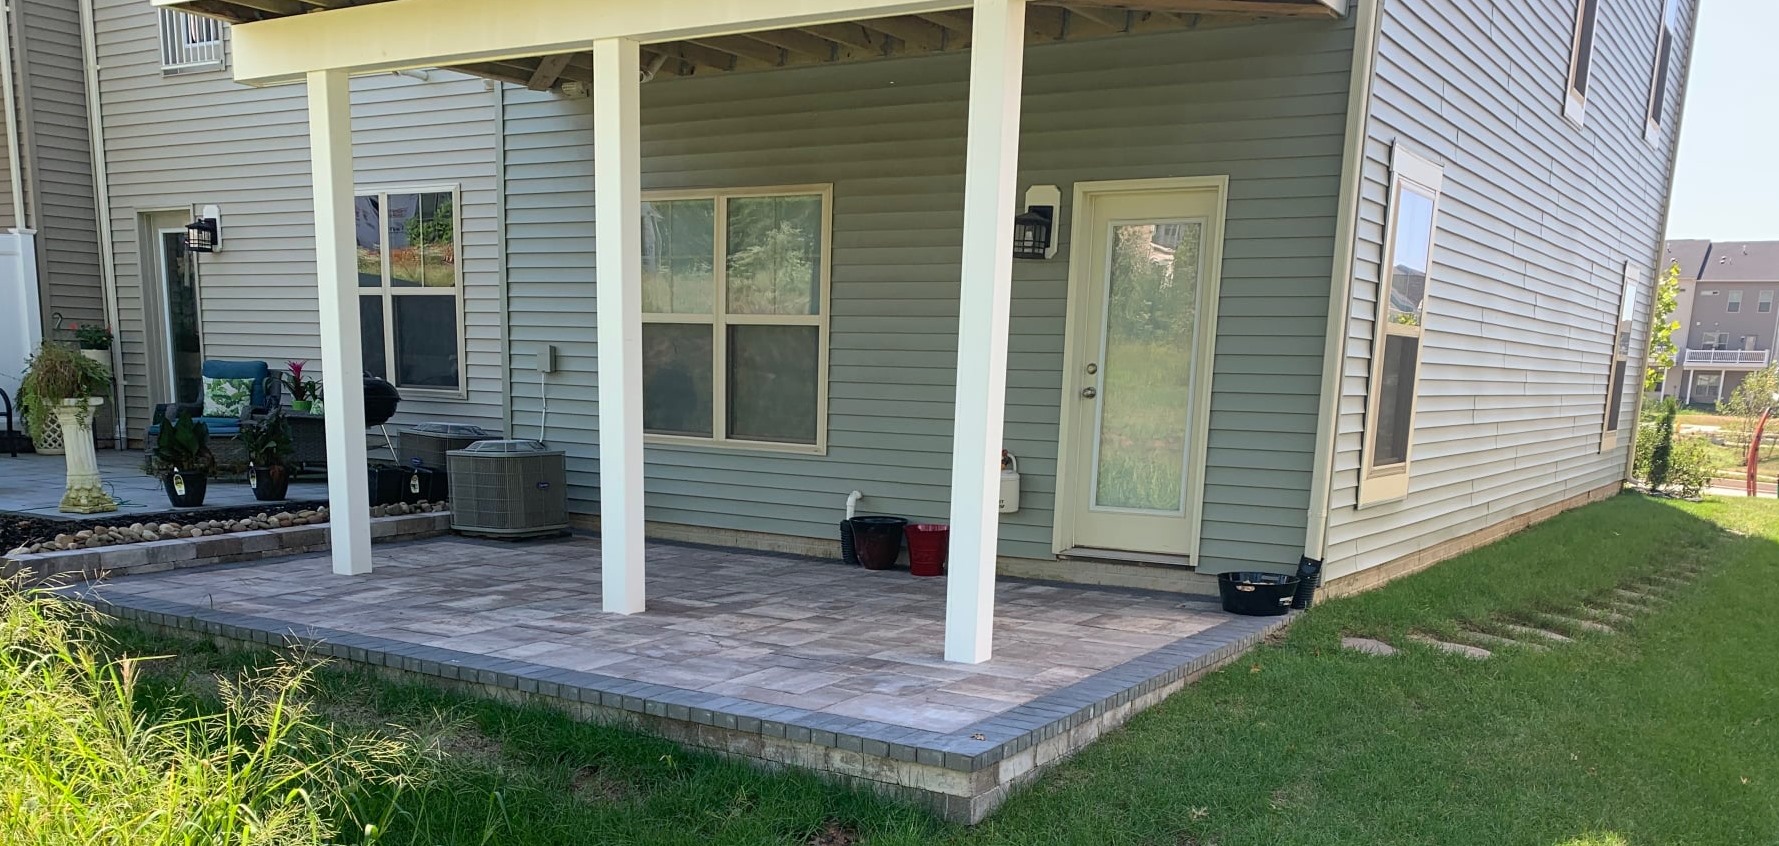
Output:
x,y
204,233
1034,230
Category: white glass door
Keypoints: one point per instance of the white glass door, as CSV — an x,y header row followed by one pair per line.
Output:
x,y
1136,334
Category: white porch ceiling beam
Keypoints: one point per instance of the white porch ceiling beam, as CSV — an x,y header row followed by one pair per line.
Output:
x,y
404,34
991,171
617,292
342,353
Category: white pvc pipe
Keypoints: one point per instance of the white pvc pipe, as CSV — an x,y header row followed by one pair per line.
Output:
x,y
89,37
14,162
1334,355
852,502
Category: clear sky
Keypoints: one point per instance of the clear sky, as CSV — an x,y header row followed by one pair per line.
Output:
x,y
1726,183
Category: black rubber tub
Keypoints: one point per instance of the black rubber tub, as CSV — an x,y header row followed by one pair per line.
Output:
x,y
1257,594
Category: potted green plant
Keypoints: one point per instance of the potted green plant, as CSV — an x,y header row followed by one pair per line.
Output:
x,y
94,341
60,389
269,450
182,459
303,391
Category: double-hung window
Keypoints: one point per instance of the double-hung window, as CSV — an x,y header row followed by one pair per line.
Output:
x,y
1666,32
1620,372
735,317
1581,58
1734,304
1765,305
1415,184
410,287
190,42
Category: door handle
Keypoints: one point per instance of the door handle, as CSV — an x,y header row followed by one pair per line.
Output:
x,y
1089,393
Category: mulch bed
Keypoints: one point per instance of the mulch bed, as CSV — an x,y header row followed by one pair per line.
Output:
x,y
18,530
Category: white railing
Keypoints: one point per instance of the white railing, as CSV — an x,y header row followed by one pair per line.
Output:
x,y
1732,358
189,41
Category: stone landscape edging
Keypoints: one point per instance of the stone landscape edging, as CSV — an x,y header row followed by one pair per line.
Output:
x,y
227,548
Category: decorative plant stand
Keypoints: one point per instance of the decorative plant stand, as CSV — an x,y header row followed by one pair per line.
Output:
x,y
84,494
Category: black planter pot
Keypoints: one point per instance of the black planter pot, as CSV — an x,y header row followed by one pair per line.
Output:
x,y
269,484
186,488
1257,594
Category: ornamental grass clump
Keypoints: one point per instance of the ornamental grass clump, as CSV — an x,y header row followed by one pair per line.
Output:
x,y
85,759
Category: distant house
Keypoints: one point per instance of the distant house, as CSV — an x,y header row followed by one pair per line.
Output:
x,y
1727,318
1363,282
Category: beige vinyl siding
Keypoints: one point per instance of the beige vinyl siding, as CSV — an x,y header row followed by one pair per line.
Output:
x,y
200,138
1263,103
58,159
1536,223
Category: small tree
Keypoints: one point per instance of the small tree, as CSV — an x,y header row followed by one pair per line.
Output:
x,y
1750,400
1661,448
1661,327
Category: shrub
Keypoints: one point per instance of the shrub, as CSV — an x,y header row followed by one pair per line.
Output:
x,y
1667,464
1689,471
84,761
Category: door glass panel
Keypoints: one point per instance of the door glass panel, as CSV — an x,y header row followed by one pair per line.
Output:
x,y
185,344
1145,389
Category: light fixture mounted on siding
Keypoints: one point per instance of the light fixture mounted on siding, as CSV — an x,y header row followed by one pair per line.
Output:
x,y
204,233
1034,230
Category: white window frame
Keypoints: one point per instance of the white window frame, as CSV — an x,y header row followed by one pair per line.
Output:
x,y
1667,31
389,292
719,319
1581,43
180,53
1612,421
1379,483
1733,305
1764,305
1721,342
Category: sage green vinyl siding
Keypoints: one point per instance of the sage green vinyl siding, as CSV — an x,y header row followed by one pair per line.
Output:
x,y
1536,222
1264,104
51,85
199,138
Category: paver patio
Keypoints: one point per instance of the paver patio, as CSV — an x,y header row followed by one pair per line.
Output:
x,y
815,635
779,659
32,484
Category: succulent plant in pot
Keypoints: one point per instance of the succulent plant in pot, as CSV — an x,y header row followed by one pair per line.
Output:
x,y
269,450
182,459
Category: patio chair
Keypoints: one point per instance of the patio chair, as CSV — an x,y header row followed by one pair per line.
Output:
x,y
266,394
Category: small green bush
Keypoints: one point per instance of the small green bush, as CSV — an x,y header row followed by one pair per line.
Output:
x,y
84,761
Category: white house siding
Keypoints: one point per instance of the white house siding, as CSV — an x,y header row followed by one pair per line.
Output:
x,y
173,141
1264,104
1536,223
50,80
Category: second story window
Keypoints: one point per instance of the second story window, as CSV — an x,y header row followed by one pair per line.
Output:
x,y
1766,301
1581,56
1664,57
1735,302
190,42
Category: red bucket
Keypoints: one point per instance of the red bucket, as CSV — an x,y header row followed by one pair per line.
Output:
x,y
927,546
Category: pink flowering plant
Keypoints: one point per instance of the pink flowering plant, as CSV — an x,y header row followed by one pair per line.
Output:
x,y
301,389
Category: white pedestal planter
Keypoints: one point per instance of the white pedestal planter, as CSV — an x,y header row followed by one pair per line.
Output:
x,y
84,494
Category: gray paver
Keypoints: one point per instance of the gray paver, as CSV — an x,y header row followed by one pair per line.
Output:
x,y
1368,646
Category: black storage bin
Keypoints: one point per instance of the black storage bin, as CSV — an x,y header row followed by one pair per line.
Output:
x,y
878,540
425,483
389,483
1257,594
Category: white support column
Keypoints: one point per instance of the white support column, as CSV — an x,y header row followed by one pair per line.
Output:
x,y
342,356
617,204
991,164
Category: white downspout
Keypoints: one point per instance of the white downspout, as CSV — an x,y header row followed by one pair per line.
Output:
x,y
1346,231
89,49
14,162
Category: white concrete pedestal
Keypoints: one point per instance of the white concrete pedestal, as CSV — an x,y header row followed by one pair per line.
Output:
x,y
84,494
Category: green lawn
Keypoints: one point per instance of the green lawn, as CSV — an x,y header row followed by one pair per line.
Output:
x,y
1665,733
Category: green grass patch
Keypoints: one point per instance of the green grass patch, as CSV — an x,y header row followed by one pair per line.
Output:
x,y
1664,733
